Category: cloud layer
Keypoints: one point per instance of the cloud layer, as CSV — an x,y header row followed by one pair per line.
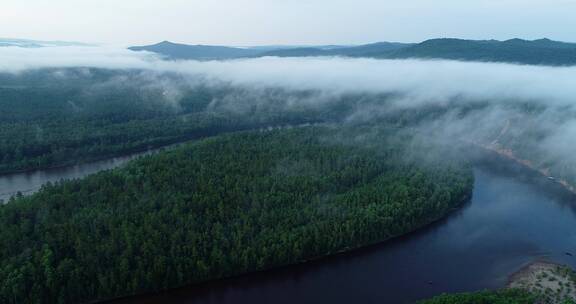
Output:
x,y
503,89
419,80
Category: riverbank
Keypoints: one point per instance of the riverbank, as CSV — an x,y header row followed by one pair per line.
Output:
x,y
143,297
28,182
501,158
420,265
152,147
550,282
509,155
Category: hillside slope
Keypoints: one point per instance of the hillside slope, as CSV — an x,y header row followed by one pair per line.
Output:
x,y
198,52
536,52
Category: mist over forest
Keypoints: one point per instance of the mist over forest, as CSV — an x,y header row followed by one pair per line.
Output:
x,y
524,109
275,151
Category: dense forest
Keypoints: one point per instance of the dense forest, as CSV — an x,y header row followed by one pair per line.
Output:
x,y
56,117
66,116
235,203
506,296
223,206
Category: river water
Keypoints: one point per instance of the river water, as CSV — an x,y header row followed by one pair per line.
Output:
x,y
30,182
513,218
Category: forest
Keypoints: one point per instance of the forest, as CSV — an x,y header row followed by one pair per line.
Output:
x,y
506,296
223,206
56,117
241,206
59,117
68,116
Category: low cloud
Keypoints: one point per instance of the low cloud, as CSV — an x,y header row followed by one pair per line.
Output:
x,y
496,94
17,59
419,81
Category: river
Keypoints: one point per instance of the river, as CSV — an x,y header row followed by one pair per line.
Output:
x,y
30,182
513,218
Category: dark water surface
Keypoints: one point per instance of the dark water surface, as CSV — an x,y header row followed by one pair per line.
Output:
x,y
513,218
30,182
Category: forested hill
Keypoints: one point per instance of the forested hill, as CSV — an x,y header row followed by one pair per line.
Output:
x,y
535,52
220,207
177,51
378,49
27,43
199,52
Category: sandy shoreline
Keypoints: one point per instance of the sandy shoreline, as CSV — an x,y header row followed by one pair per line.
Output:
x,y
508,154
551,282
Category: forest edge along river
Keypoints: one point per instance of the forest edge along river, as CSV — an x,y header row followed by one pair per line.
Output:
x,y
515,217
28,182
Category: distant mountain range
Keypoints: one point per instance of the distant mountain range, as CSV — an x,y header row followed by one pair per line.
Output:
x,y
178,51
534,52
198,52
367,50
26,43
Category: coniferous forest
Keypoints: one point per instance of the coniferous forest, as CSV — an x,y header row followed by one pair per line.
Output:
x,y
231,202
287,152
70,116
223,206
511,296
67,116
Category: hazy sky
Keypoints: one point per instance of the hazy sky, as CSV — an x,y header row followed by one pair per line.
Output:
x,y
252,22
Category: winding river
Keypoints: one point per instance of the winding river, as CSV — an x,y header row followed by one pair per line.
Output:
x,y
514,218
30,182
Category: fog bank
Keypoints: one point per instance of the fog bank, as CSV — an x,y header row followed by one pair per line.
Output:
x,y
527,109
417,80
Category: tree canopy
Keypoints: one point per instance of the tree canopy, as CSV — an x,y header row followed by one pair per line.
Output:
x,y
220,207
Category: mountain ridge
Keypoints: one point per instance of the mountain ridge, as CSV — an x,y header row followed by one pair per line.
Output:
x,y
533,52
28,43
178,51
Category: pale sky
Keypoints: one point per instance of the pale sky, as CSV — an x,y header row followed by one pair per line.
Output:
x,y
258,22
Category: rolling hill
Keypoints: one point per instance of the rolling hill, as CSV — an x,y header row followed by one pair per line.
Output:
x,y
177,51
534,52
367,50
27,43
